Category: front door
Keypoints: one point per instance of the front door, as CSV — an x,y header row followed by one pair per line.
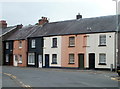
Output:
x,y
92,61
81,60
11,60
15,60
40,61
46,60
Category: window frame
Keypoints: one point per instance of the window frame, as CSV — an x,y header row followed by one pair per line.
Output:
x,y
71,42
33,43
102,61
73,59
20,44
7,45
54,42
30,60
54,60
102,40
20,59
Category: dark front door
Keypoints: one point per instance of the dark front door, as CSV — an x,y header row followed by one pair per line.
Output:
x,y
91,60
46,60
81,60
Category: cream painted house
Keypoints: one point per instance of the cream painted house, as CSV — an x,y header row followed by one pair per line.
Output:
x,y
100,50
52,51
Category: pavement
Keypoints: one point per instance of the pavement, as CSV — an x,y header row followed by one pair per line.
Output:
x,y
46,77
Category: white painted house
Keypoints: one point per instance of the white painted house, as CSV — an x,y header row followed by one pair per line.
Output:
x,y
52,51
100,50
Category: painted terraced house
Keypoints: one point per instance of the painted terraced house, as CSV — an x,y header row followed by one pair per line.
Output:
x,y
19,39
81,43
85,43
7,46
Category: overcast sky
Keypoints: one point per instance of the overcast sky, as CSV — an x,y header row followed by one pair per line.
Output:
x,y
29,12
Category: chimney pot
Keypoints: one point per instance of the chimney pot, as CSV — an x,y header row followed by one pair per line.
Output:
x,y
78,16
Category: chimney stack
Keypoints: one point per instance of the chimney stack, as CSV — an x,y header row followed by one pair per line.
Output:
x,y
78,16
42,21
3,24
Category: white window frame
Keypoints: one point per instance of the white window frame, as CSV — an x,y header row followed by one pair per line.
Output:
x,y
102,58
20,44
20,58
72,41
33,43
54,59
7,58
54,40
31,58
102,40
7,45
71,59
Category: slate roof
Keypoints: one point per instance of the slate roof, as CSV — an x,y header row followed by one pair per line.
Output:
x,y
23,33
79,26
6,30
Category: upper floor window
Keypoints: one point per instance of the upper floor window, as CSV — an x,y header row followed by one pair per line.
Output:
x,y
7,45
71,58
33,43
20,44
102,40
54,59
102,58
54,43
71,41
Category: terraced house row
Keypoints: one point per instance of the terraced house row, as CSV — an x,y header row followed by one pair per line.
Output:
x,y
85,43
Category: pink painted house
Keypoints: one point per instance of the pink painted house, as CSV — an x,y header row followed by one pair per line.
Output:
x,y
73,51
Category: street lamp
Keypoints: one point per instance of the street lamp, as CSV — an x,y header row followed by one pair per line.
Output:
x,y
117,33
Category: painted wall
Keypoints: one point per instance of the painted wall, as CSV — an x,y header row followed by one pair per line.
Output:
x,y
47,49
93,47
8,51
38,50
80,45
21,51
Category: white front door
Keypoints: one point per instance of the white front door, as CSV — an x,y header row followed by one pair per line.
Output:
x,y
40,61
15,60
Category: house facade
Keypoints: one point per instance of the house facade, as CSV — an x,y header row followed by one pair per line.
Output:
x,y
52,51
74,51
100,51
35,52
20,53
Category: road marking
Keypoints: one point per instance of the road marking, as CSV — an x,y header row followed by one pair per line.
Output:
x,y
20,82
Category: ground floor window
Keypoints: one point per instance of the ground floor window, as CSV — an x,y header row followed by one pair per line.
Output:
x,y
102,58
54,58
71,58
20,58
7,58
31,58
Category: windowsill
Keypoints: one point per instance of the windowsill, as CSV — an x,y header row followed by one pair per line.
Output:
x,y
71,46
102,64
101,45
33,47
54,63
54,47
31,64
71,63
20,47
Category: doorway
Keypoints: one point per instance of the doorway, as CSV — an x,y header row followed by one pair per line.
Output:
x,y
91,61
46,60
40,61
81,61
